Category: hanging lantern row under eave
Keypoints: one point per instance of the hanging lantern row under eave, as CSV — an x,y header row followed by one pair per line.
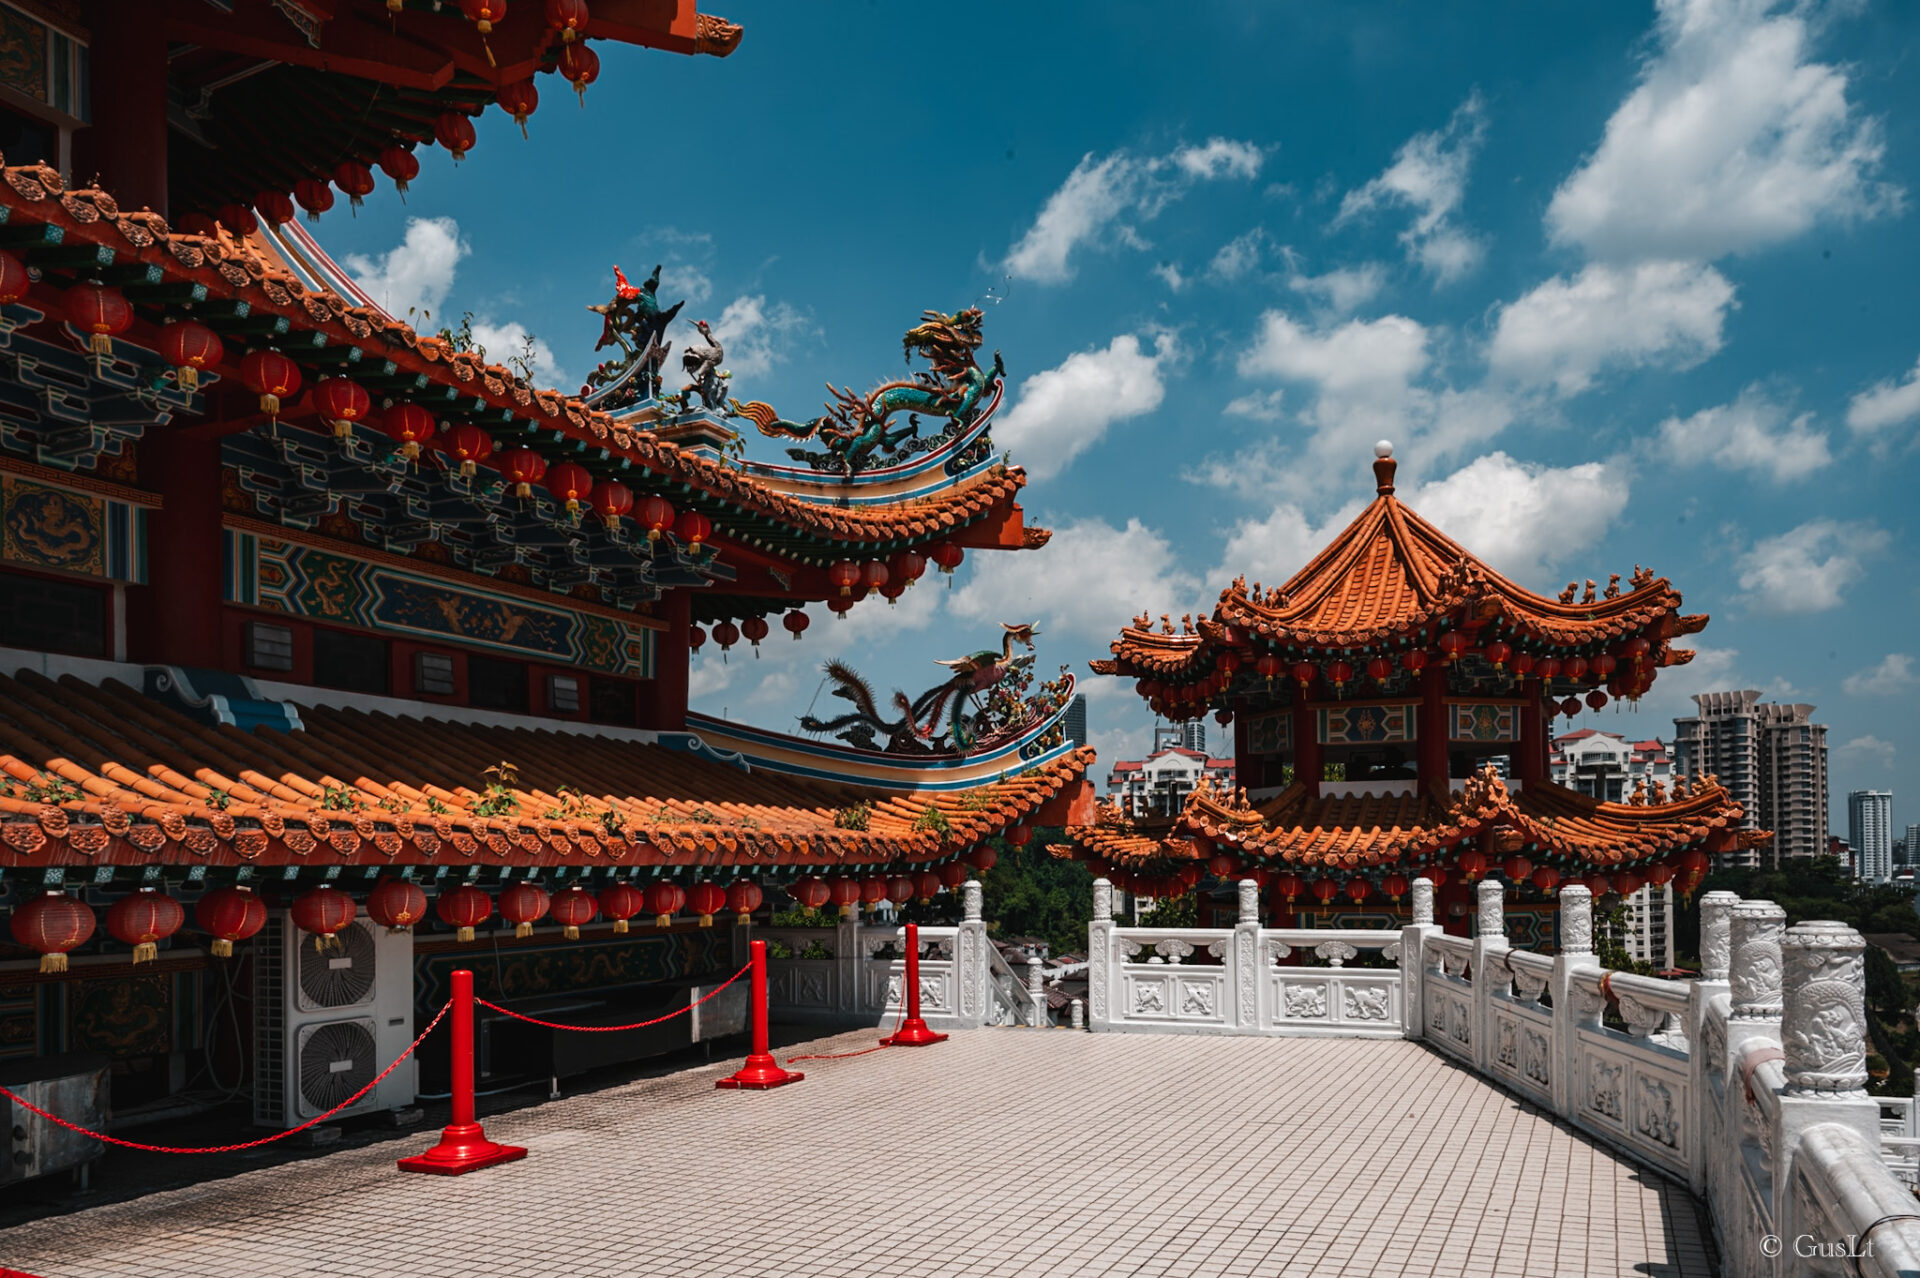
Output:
x,y
620,902
341,402
52,925
409,426
396,904
754,629
706,900
523,905
454,131
795,623
15,283
463,909
580,65
570,483
523,468
100,311
271,376
692,528
743,898
696,638
519,99
810,893
726,634
275,206
238,219
610,499
190,346
568,17
324,913
228,915
573,909
665,900
906,566
400,164
143,919
355,179
313,195
469,445
844,575
656,516
947,556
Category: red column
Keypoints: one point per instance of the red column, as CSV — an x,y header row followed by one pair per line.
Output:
x,y
666,707
127,142
1307,766
1531,763
175,618
1433,729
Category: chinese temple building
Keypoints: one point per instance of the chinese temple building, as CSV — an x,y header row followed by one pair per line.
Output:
x,y
1391,705
315,628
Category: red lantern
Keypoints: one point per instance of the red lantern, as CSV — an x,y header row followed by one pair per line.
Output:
x,y
610,499
692,528
523,468
1570,707
1546,878
1324,890
100,311
14,282
1380,669
811,893
1626,883
1395,886
324,913
906,566
523,905
519,100
951,874
1017,836
463,908
409,426
1602,666
844,574
396,904
925,884
873,890
743,898
1434,874
238,219
573,909
726,634
275,206
1497,653
484,13
796,622
845,893
1472,864
229,914
455,132
1636,649
400,164
620,902
1220,865
1522,663
1576,668
946,556
469,445
568,17
1288,886
706,900
190,346
1517,868
1659,874
356,179
196,224
570,482
1358,889
982,858
342,403
656,516
580,65
696,638
1548,668
143,920
874,574
1339,673
1596,699
271,376
52,924
314,195
1451,645
1599,885
755,629
665,900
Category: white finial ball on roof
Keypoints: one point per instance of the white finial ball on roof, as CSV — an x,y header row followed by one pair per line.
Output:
x,y
1383,449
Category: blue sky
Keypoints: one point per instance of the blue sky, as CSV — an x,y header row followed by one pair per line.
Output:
x,y
1624,283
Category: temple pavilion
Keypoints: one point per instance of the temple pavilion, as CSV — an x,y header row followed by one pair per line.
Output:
x,y
318,628
1390,705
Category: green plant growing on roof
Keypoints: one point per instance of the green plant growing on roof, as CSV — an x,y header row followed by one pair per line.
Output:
x,y
45,788
933,821
219,799
614,824
854,816
705,816
436,807
340,798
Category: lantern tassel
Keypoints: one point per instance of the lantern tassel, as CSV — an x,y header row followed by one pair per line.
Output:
x,y
662,920
522,929
100,344
706,920
485,27
146,952
620,926
221,947
270,405
463,934
50,963
572,932
188,378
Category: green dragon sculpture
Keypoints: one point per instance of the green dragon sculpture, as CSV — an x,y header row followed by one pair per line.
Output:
x,y
855,426
976,674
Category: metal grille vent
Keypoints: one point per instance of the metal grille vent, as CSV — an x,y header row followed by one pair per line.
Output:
x,y
336,1060
269,1031
337,977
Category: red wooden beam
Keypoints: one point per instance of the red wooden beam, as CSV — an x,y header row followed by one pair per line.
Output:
x,y
1005,529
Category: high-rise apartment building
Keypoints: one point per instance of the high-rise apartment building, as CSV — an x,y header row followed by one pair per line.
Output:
x,y
1870,831
1771,757
1076,722
1913,845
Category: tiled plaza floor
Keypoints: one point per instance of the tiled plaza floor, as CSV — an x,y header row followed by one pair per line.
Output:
x,y
1028,1152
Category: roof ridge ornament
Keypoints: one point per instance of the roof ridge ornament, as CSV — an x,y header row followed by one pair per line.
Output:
x,y
1383,467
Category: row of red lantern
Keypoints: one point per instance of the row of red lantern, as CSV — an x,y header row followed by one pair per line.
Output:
x,y
847,892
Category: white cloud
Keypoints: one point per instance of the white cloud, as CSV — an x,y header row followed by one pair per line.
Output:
x,y
1169,273
1238,257
1270,550
1259,406
754,334
1379,355
1654,314
1101,193
1429,176
683,281
1063,411
1731,141
1869,749
502,343
411,281
1343,290
1809,568
1884,404
1752,433
1894,676
1116,573
1522,517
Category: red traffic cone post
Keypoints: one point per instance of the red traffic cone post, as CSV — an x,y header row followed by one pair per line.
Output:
x,y
463,1146
913,1030
761,1071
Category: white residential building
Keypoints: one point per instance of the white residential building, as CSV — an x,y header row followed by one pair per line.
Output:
x,y
1608,766
1870,831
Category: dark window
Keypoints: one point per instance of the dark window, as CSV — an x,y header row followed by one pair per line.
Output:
x,y
496,685
53,616
433,673
269,647
357,663
610,701
563,694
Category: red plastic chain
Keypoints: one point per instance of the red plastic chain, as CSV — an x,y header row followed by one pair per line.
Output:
x,y
885,1043
611,1029
24,1103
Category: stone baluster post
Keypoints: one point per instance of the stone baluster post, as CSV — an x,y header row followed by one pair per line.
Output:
x,y
849,965
1243,966
1490,974
1036,993
1824,1037
1716,959
1576,952
1078,1011
1416,959
1755,930
1100,956
970,975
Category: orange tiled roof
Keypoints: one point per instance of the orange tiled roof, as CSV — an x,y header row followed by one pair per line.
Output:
x,y
33,196
1364,831
1390,574
104,775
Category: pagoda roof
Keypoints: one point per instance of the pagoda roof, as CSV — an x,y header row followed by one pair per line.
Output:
x,y
241,288
1366,831
100,774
